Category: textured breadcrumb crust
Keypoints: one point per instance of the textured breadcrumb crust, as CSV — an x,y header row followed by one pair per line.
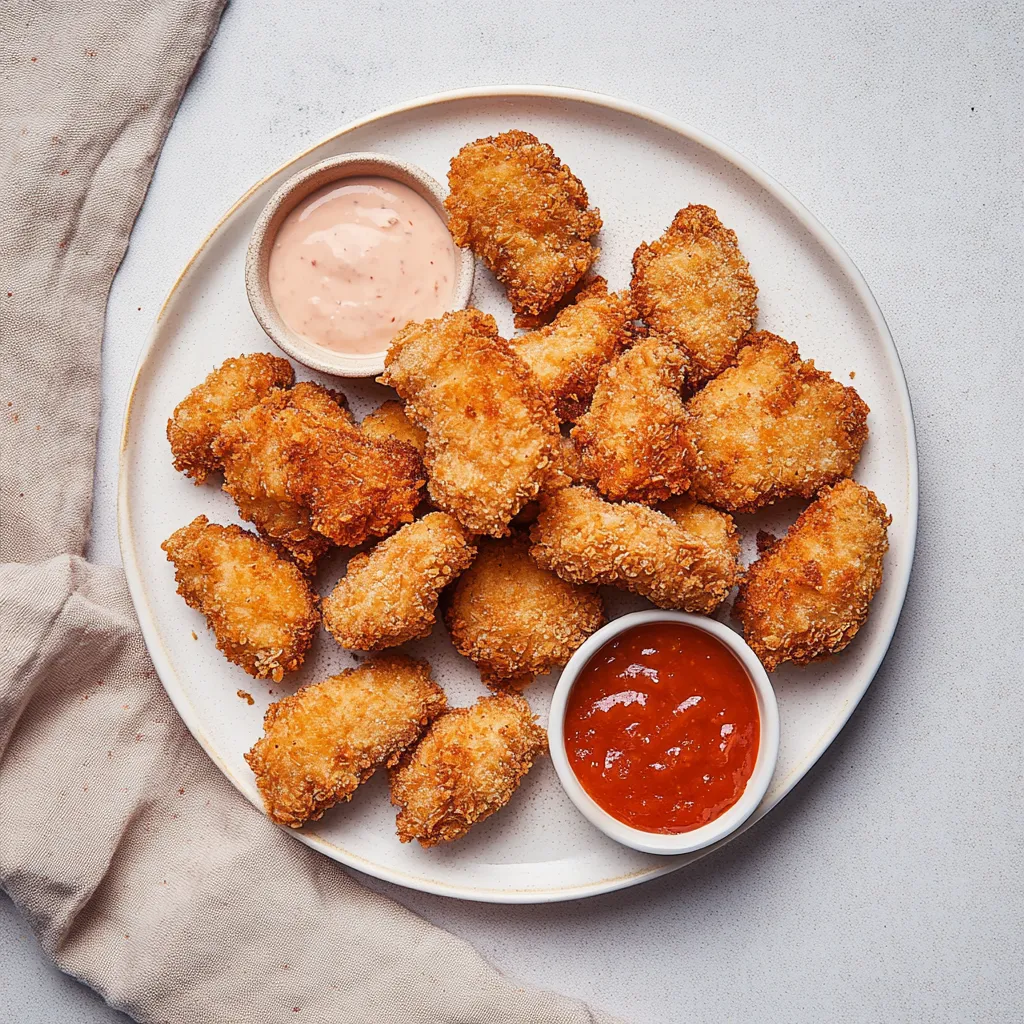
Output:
x,y
809,593
389,595
389,421
299,469
566,356
465,768
714,538
236,385
585,539
694,286
322,743
258,603
525,214
491,434
633,440
772,427
515,620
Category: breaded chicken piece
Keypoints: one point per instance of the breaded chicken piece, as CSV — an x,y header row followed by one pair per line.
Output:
x,y
716,540
467,767
389,421
323,742
585,539
808,594
236,385
525,214
307,477
491,434
258,604
772,427
389,595
632,441
567,355
515,620
694,286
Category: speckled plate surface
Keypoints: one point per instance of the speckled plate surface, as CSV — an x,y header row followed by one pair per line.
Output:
x,y
639,168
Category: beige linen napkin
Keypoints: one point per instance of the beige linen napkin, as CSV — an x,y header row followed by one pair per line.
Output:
x,y
139,867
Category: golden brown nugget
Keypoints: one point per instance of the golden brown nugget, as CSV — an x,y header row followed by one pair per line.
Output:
x,y
809,593
465,768
633,440
236,385
389,421
714,538
525,214
491,434
307,477
566,356
772,427
694,286
258,603
389,595
515,620
321,744
585,539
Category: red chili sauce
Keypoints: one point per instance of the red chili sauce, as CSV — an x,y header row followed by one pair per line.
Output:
x,y
662,727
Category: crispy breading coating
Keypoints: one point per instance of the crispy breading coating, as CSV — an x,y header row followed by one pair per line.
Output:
x,y
585,539
515,620
389,421
525,214
258,603
567,355
715,538
809,593
389,595
465,768
491,434
772,427
306,476
236,385
320,744
694,286
632,440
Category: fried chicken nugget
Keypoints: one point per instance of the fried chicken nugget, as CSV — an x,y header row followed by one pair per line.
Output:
x,y
808,594
389,595
321,744
525,214
389,421
236,385
585,539
694,286
300,470
717,559
515,620
491,434
772,427
465,768
567,355
258,603
633,440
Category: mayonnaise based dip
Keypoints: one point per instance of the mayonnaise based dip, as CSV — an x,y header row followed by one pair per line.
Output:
x,y
358,259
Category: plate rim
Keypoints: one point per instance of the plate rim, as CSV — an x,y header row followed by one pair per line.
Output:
x,y
133,575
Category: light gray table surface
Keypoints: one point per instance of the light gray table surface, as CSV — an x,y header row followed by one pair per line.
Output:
x,y
887,886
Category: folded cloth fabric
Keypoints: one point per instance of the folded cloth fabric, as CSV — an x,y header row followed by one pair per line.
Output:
x,y
140,869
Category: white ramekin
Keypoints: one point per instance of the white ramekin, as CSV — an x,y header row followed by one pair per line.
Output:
x,y
283,201
757,784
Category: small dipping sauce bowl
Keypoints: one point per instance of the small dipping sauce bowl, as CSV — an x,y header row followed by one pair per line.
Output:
x,y
638,626
337,171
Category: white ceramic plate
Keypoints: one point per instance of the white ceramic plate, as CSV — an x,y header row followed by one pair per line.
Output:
x,y
639,168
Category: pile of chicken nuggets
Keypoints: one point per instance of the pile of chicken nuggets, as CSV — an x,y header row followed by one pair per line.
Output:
x,y
608,444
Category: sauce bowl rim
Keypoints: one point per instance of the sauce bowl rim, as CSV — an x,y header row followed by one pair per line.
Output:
x,y
757,784
285,198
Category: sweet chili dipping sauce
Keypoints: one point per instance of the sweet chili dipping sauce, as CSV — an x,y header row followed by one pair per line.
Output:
x,y
662,727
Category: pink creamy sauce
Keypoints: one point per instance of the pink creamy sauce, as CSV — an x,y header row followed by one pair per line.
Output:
x,y
355,261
